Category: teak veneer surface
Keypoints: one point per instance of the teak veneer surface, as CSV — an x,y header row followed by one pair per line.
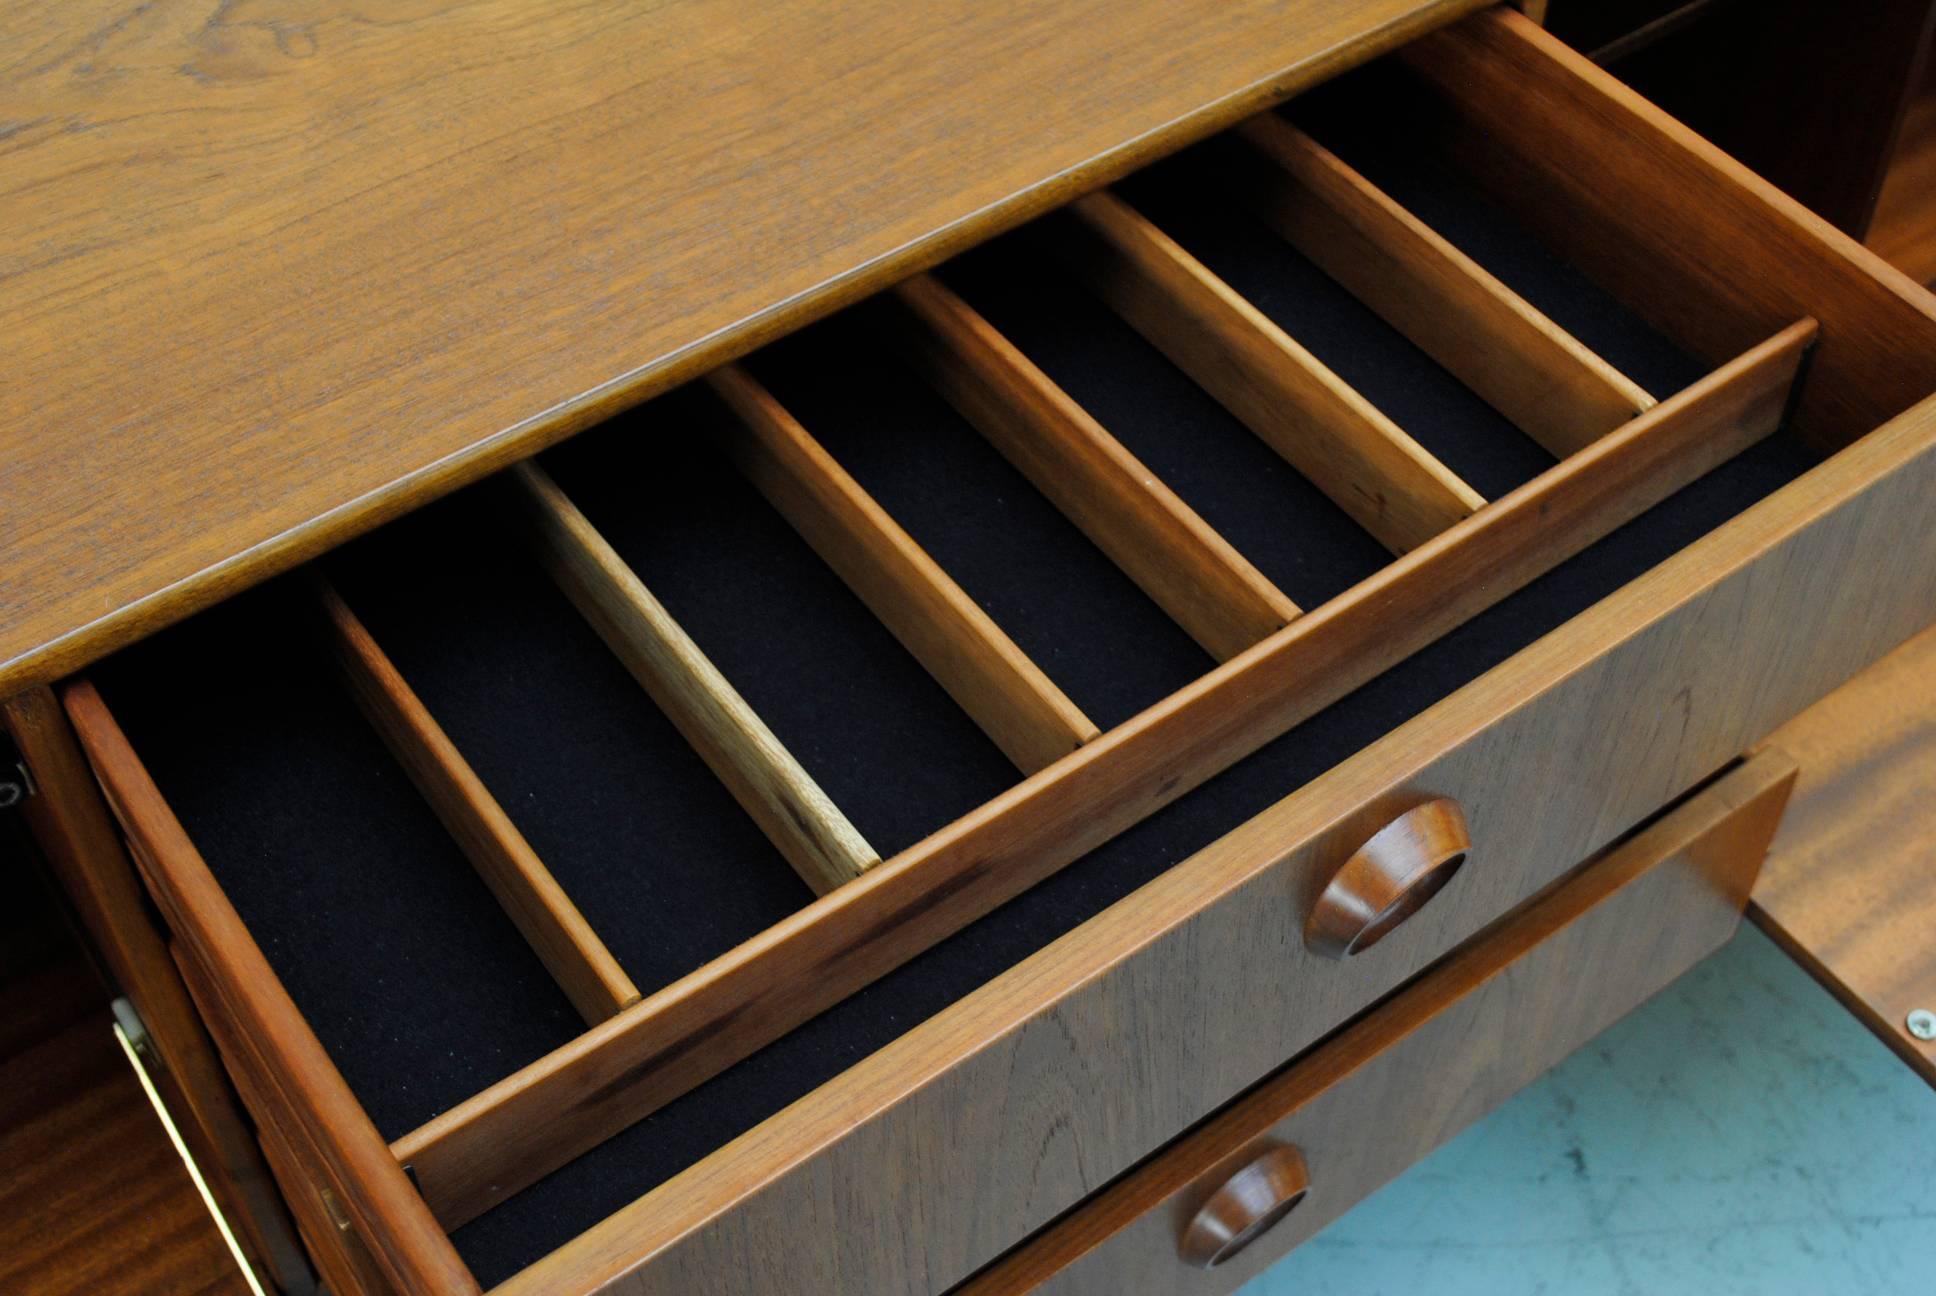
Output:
x,y
584,969
475,1154
1622,709
1708,252
1481,1024
96,1202
270,282
1850,885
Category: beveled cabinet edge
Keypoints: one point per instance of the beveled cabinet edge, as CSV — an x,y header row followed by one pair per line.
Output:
x,y
67,653
1868,490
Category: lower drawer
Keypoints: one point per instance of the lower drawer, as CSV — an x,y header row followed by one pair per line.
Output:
x,y
1219,1205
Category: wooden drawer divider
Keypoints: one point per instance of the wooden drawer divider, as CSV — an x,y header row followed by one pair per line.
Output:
x,y
82,842
1458,555
800,819
308,1092
1392,486
1621,453
1713,255
571,951
621,1070
1527,367
988,676
1192,573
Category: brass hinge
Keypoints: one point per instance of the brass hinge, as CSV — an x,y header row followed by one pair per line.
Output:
x,y
132,1032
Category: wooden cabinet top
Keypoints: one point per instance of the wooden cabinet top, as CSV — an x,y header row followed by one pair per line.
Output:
x,y
274,271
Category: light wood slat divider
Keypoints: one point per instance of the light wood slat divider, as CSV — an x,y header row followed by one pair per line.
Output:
x,y
800,820
993,680
1192,573
570,949
1527,367
478,1153
1389,483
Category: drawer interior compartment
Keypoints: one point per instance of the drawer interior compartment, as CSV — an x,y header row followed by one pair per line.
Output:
x,y
1408,1076
797,704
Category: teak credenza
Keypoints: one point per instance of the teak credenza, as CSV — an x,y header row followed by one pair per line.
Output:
x,y
1195,602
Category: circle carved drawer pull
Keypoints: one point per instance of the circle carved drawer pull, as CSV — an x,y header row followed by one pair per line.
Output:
x,y
1388,879
1245,1207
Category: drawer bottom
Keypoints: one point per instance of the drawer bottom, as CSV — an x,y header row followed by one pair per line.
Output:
x,y
1220,1204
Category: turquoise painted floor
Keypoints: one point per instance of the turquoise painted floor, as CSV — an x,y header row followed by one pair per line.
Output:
x,y
1741,1133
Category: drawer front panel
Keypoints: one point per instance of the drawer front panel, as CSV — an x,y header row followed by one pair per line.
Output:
x,y
1465,1036
1048,1082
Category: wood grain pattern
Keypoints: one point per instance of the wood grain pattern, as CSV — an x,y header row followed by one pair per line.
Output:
x,y
1496,342
1247,1204
1388,879
95,1202
77,835
1845,502
378,253
1387,482
578,1095
405,1240
1712,255
1192,573
571,951
1447,1049
804,825
1850,886
994,681
1001,1096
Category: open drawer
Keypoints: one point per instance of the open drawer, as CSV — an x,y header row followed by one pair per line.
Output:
x,y
1219,1205
972,612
